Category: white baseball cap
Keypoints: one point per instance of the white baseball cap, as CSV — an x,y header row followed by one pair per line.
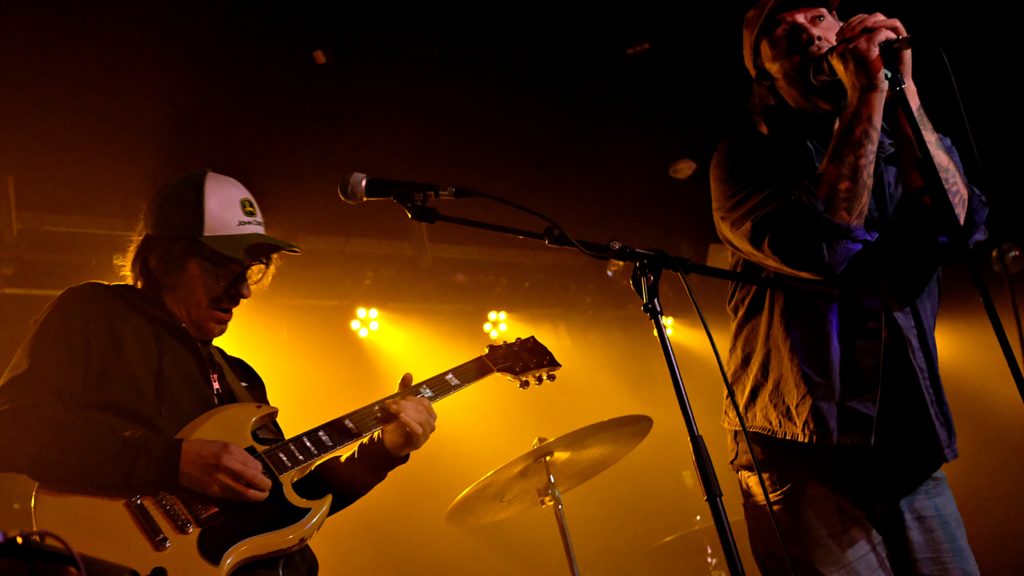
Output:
x,y
215,209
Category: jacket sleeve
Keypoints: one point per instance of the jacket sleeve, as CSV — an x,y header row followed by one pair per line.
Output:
x,y
766,209
924,234
53,425
351,476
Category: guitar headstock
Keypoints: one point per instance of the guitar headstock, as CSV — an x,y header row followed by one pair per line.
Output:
x,y
524,360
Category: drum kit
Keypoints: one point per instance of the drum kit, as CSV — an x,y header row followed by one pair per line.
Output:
x,y
541,476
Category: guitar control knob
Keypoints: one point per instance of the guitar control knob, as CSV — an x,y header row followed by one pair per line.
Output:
x,y
524,384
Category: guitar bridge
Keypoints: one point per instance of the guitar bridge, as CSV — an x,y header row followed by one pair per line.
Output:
x,y
172,509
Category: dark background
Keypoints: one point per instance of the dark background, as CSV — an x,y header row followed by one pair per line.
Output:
x,y
575,112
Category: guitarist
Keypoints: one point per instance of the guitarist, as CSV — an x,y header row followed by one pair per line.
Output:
x,y
94,399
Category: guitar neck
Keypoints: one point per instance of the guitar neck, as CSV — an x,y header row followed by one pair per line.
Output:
x,y
317,443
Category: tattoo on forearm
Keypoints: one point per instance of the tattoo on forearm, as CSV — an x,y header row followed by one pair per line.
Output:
x,y
852,172
952,179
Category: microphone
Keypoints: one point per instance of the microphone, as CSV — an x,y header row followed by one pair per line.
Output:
x,y
823,72
361,188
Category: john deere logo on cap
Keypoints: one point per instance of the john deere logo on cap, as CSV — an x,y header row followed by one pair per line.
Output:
x,y
248,207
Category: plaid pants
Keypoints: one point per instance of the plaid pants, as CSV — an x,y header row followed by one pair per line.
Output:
x,y
830,529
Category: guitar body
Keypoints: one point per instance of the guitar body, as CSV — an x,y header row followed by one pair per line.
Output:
x,y
235,533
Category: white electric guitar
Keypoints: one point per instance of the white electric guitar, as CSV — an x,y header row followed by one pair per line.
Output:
x,y
179,535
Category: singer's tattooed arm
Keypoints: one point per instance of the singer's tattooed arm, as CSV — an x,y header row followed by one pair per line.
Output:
x,y
953,180
847,173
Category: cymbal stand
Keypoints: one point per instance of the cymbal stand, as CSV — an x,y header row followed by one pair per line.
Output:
x,y
550,495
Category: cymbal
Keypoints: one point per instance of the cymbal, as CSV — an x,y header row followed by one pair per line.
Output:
x,y
695,551
697,540
572,459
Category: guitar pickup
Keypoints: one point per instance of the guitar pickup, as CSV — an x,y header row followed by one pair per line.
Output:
x,y
147,523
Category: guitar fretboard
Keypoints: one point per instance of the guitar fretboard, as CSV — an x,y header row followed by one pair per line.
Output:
x,y
315,444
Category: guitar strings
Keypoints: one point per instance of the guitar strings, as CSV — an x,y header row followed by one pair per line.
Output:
x,y
367,419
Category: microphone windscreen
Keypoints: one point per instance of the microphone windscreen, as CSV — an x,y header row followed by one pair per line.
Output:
x,y
355,192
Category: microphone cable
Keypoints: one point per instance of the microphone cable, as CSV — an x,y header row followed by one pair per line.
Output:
x,y
731,393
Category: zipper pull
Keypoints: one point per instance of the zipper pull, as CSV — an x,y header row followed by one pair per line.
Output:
x,y
215,382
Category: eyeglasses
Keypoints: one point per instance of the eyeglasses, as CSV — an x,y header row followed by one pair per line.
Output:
x,y
230,272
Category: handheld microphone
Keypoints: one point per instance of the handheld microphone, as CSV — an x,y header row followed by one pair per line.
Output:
x,y
823,72
361,188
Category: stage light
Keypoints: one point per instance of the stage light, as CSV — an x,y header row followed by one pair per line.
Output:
x,y
496,324
366,321
613,268
668,321
682,169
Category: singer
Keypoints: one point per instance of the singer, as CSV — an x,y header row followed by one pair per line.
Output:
x,y
849,425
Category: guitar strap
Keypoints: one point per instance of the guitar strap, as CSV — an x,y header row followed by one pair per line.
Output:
x,y
241,394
